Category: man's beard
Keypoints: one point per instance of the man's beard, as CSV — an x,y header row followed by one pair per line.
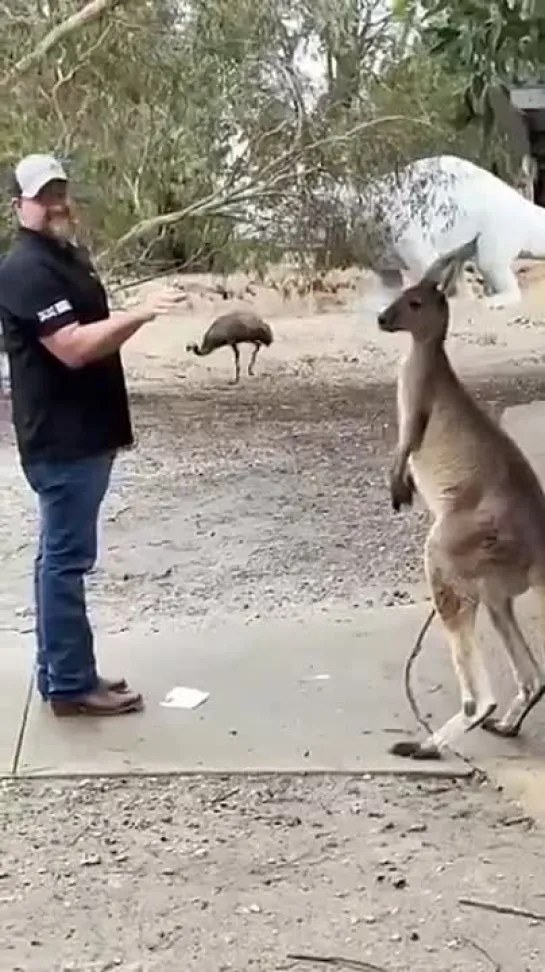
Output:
x,y
62,226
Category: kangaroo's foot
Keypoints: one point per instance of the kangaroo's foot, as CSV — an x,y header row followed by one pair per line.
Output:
x,y
510,725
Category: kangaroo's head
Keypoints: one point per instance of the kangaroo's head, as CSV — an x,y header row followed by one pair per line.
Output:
x,y
421,310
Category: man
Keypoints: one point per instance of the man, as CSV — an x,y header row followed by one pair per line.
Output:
x,y
71,416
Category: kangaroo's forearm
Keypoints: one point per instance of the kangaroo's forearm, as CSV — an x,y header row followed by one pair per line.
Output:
x,y
411,434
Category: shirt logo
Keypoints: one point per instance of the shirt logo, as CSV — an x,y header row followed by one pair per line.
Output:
x,y
54,310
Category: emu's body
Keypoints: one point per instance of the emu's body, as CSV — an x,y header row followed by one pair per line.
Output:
x,y
232,329
487,541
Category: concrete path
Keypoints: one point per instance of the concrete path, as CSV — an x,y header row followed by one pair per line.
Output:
x,y
284,696
324,694
15,668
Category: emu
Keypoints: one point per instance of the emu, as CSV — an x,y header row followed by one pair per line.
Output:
x,y
487,541
232,329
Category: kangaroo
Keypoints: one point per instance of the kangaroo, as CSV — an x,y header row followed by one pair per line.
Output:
x,y
435,204
487,541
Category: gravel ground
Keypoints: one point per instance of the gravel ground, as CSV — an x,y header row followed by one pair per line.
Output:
x,y
240,874
265,500
234,501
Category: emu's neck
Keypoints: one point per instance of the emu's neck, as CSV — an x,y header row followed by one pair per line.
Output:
x,y
200,351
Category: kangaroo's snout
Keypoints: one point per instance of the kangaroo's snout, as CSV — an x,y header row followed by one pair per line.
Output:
x,y
386,320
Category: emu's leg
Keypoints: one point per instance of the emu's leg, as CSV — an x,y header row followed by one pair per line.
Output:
x,y
529,676
236,353
456,605
252,359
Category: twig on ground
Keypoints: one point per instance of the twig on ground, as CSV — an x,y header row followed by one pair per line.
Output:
x,y
338,962
496,967
417,648
407,673
222,797
501,909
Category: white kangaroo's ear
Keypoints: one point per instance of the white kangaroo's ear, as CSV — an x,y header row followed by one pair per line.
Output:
x,y
443,270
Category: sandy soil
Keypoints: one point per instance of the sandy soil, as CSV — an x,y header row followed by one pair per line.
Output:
x,y
268,498
216,875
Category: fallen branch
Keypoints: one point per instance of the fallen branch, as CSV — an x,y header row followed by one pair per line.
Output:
x,y
90,12
496,967
338,962
407,673
501,909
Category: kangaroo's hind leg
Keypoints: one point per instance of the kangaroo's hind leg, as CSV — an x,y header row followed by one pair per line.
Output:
x,y
494,258
456,602
529,674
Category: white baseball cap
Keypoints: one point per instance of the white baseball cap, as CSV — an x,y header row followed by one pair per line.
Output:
x,y
34,172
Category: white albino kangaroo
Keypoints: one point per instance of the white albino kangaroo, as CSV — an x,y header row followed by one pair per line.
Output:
x,y
435,205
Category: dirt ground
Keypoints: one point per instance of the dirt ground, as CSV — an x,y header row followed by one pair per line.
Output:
x,y
265,499
214,875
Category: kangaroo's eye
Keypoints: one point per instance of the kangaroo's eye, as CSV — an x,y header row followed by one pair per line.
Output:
x,y
415,303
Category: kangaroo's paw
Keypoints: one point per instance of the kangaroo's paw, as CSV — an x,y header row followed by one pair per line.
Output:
x,y
509,727
481,717
409,749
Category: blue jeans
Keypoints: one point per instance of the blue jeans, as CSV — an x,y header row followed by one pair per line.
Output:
x,y
69,496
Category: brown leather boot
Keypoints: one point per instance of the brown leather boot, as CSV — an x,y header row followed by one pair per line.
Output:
x,y
113,684
108,684
102,702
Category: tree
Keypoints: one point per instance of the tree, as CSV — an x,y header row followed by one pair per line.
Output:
x,y
494,44
201,132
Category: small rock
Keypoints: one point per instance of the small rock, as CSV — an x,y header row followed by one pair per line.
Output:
x,y
92,860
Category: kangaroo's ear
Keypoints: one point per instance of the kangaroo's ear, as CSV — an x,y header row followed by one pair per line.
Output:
x,y
443,270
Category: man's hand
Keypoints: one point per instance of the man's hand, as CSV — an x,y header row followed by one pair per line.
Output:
x,y
77,346
160,303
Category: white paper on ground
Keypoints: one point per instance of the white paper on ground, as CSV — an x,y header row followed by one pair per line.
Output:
x,y
184,698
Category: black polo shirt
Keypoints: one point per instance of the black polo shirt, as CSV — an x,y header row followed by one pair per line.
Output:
x,y
59,413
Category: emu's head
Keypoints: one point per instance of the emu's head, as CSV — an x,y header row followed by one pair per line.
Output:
x,y
422,311
192,347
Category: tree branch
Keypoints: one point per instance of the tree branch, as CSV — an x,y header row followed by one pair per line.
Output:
x,y
90,12
260,186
